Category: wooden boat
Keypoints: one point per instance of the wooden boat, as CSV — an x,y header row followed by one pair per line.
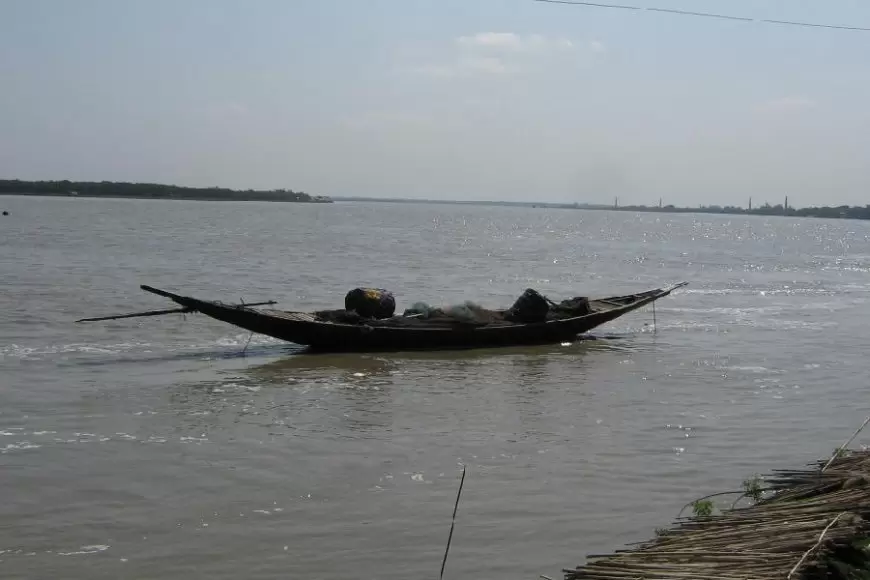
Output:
x,y
321,332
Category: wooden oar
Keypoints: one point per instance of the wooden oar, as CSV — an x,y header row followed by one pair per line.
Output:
x,y
160,312
135,314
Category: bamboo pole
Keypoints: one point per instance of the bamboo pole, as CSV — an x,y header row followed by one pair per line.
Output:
x,y
453,522
184,310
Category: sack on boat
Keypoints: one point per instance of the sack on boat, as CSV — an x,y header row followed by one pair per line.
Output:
x,y
370,302
577,306
530,307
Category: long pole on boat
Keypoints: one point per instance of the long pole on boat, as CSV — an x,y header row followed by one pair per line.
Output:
x,y
161,312
135,314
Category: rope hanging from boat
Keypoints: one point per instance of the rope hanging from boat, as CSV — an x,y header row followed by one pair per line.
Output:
x,y
245,349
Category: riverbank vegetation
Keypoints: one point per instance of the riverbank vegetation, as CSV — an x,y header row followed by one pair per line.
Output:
x,y
150,191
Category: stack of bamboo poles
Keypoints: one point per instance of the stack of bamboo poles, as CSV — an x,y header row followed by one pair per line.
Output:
x,y
815,525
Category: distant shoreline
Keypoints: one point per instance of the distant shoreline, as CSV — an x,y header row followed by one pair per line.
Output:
x,y
125,190
165,198
826,212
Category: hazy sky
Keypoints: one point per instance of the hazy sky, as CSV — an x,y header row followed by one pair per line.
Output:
x,y
460,99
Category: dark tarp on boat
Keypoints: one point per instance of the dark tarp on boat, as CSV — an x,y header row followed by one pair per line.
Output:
x,y
529,307
370,302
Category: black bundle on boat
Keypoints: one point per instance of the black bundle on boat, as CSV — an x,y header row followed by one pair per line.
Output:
x,y
370,302
529,307
577,306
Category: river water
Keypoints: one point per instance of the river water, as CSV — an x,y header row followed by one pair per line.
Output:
x,y
157,448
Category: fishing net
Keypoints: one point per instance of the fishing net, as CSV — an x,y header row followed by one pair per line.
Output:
x,y
376,306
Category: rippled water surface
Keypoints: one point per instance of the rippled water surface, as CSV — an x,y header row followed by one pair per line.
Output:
x,y
155,447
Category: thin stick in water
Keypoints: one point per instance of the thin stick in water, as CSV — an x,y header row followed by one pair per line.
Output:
x,y
452,523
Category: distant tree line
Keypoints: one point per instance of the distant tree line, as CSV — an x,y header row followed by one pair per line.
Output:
x,y
842,211
150,191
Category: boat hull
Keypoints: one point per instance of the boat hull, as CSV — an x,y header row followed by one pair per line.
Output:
x,y
304,329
